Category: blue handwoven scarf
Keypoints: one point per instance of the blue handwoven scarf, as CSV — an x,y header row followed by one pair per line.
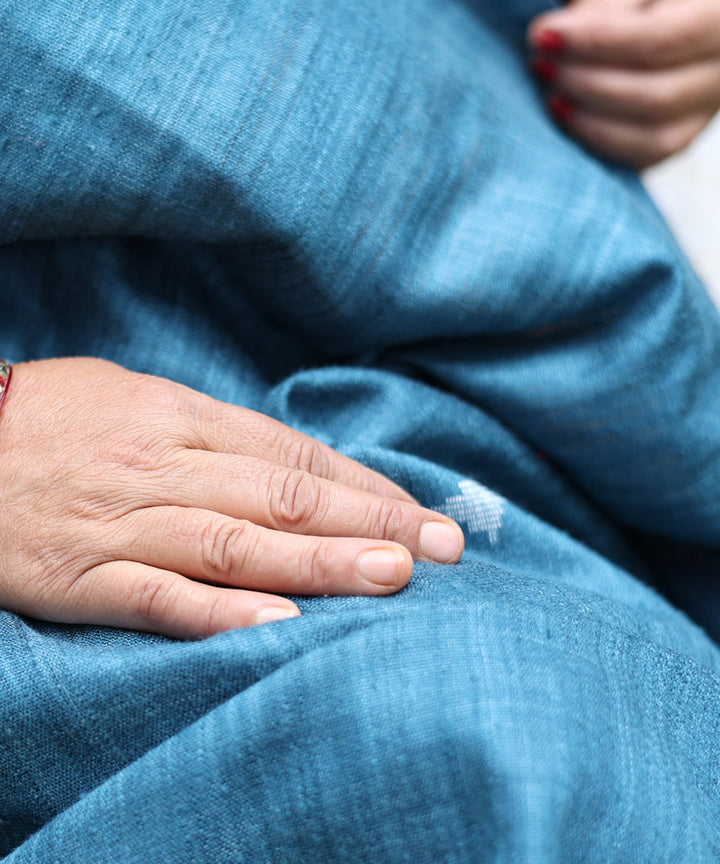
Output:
x,y
356,216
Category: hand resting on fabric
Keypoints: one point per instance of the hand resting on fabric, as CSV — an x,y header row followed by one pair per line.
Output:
x,y
635,80
132,501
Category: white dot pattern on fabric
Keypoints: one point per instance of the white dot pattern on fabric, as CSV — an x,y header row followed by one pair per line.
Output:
x,y
478,507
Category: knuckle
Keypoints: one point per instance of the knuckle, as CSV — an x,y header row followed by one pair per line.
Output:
x,y
314,568
154,598
385,519
304,454
295,499
224,546
145,450
215,617
175,399
180,413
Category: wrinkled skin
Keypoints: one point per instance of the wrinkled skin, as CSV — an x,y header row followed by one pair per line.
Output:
x,y
135,502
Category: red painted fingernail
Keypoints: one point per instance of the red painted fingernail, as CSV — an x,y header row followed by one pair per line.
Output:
x,y
544,68
550,41
561,108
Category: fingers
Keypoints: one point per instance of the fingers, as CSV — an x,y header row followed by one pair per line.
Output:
x,y
301,503
139,597
238,553
639,144
638,95
175,542
645,35
633,80
223,428
265,508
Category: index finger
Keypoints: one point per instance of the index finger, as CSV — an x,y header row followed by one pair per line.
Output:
x,y
220,427
652,36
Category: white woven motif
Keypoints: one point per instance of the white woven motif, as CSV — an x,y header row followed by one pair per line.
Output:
x,y
478,507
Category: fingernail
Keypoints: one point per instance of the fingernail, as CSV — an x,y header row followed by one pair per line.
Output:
x,y
545,68
266,614
561,108
549,41
380,566
441,542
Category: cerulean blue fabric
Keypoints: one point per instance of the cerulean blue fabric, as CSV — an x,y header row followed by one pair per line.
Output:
x,y
356,216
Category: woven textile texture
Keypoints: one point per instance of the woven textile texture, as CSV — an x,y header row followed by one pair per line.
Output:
x,y
356,217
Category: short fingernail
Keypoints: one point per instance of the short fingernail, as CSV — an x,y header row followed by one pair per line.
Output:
x,y
544,68
266,614
549,40
441,542
561,108
381,566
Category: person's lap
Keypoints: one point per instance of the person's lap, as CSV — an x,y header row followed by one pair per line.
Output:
x,y
537,702
478,715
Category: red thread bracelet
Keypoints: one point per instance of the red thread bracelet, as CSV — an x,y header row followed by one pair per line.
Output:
x,y
5,373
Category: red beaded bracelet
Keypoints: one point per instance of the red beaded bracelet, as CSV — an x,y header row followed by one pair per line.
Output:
x,y
5,373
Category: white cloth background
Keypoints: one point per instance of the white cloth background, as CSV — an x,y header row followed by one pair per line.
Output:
x,y
687,190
